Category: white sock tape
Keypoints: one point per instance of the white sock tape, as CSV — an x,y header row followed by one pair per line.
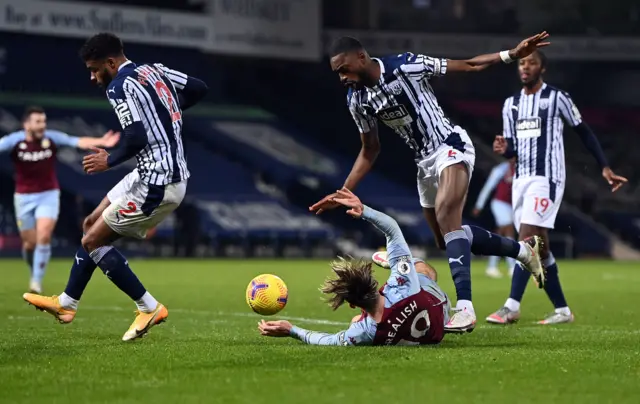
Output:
x,y
504,55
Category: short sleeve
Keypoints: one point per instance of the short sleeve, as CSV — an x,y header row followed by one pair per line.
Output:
x,y
62,139
424,67
178,79
568,109
365,122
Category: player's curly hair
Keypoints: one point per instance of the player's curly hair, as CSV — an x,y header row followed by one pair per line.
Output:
x,y
101,46
353,283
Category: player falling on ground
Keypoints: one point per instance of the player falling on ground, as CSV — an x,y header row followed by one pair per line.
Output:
x,y
396,91
410,308
533,123
148,101
37,196
500,179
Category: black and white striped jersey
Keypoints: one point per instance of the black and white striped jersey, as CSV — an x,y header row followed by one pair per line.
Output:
x,y
535,124
404,100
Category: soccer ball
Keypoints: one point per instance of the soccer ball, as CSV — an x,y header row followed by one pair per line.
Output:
x,y
267,294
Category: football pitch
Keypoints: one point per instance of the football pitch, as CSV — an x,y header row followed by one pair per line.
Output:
x,y
210,351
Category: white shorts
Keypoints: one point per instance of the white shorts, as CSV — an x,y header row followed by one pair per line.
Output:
x,y
457,148
536,201
137,207
502,213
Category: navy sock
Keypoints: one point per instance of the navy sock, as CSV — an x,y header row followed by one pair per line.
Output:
x,y
519,282
459,253
81,272
116,267
552,284
483,242
27,255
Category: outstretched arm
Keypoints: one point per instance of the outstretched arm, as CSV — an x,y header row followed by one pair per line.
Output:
x,y
356,334
572,117
10,141
481,62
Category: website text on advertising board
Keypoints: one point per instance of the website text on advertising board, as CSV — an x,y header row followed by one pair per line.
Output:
x,y
258,9
113,21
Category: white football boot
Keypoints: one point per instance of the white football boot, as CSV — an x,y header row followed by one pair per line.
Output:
x,y
460,322
531,262
557,318
380,259
504,316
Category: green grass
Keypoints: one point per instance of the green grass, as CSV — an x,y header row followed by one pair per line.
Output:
x,y
210,350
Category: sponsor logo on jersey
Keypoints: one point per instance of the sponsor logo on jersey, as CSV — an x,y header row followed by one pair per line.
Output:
x,y
35,155
397,115
528,128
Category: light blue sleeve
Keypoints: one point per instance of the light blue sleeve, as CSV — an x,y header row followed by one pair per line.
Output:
x,y
359,333
496,175
10,141
396,245
403,280
62,139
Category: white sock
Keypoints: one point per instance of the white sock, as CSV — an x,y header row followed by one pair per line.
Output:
x,y
563,310
465,305
147,303
68,302
523,255
512,304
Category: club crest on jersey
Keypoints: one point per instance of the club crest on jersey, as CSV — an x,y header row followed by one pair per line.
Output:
x,y
395,87
395,116
544,103
46,143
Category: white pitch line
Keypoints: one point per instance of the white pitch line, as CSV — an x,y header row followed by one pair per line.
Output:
x,y
223,314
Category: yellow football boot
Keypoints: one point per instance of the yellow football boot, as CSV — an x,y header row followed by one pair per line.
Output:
x,y
50,304
144,321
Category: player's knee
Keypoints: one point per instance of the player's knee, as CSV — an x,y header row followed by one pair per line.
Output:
x,y
28,245
44,238
89,243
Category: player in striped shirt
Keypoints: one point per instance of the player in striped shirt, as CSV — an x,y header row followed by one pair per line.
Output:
x,y
500,179
396,91
533,122
148,101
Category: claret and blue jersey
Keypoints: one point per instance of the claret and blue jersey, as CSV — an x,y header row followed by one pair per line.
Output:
x,y
416,309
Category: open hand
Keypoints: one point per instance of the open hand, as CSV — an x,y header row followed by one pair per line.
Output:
x,y
530,45
350,200
325,203
614,180
278,328
97,162
110,139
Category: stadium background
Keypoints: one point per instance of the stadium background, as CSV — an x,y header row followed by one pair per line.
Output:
x,y
275,135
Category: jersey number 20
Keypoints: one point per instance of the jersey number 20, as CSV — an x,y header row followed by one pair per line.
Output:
x,y
165,94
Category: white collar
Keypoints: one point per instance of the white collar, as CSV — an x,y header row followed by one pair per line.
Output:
x,y
544,85
128,62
